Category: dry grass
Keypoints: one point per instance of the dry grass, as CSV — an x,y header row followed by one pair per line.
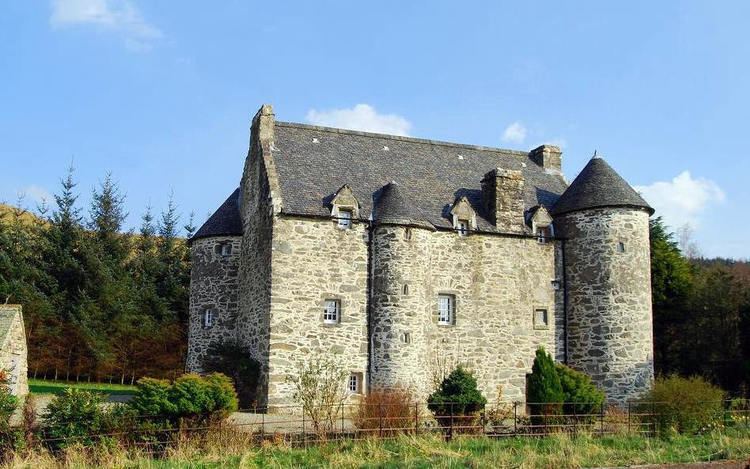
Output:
x,y
227,448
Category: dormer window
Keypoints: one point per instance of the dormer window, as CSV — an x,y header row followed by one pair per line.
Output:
x,y
464,217
345,219
344,207
462,227
541,224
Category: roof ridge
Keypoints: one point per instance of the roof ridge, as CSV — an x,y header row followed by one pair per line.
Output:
x,y
402,138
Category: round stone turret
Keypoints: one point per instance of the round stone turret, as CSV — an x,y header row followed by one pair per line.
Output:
x,y
215,259
605,224
400,317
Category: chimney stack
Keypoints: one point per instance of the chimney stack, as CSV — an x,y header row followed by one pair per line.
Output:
x,y
548,157
502,194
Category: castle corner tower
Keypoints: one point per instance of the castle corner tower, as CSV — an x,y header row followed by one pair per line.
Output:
x,y
605,224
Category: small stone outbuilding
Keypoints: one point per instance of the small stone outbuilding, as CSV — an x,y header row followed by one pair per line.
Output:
x,y
13,352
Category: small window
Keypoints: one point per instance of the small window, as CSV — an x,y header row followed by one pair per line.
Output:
x,y
332,312
208,318
446,310
407,234
406,337
620,247
543,234
405,289
462,227
540,318
345,219
226,250
355,383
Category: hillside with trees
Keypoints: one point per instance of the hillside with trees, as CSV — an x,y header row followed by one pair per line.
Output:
x,y
99,304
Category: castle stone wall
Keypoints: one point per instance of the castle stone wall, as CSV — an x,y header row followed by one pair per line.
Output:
x,y
214,286
498,282
14,355
609,298
314,260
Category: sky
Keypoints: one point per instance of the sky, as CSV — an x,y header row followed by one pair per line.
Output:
x,y
161,94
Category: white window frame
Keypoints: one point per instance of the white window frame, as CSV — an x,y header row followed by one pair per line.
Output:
x,y
225,250
344,218
462,227
354,384
446,309
543,322
621,247
332,311
208,318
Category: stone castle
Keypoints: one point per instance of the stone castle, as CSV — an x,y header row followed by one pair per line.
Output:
x,y
398,257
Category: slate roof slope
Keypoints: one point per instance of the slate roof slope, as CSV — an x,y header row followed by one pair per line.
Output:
x,y
313,162
598,185
7,316
392,206
225,221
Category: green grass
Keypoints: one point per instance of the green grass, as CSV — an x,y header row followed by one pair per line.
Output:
x,y
40,386
232,450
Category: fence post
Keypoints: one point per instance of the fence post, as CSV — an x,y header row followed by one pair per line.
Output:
x,y
654,420
416,418
629,429
727,406
515,418
380,419
601,420
304,433
450,431
263,427
342,420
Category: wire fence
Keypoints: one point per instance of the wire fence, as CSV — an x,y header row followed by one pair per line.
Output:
x,y
300,427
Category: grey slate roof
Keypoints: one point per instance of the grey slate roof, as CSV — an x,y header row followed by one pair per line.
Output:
x,y
225,221
7,316
313,162
392,205
598,185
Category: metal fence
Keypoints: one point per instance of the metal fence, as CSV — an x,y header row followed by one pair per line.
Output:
x,y
297,426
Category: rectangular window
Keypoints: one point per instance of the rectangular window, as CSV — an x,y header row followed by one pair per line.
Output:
x,y
226,250
446,310
332,312
345,219
620,247
540,318
354,384
463,227
208,318
543,234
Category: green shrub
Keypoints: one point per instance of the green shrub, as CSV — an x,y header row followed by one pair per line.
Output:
x,y
683,405
544,390
457,396
190,396
74,417
233,360
580,394
10,438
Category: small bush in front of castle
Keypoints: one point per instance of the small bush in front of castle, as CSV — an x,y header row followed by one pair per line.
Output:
x,y
683,405
545,393
581,397
457,402
191,396
386,412
75,417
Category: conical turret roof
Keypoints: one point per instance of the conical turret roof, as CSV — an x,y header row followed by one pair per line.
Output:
x,y
225,221
598,185
393,206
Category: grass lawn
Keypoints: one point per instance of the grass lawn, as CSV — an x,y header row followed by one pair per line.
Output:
x,y
40,386
231,450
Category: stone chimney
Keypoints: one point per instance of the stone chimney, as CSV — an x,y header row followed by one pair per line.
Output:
x,y
502,194
548,157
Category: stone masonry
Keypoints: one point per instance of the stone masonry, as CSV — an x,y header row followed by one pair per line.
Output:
x,y
386,227
13,352
610,333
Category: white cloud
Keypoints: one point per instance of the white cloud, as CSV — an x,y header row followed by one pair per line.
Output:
x,y
36,193
361,117
514,133
119,16
682,200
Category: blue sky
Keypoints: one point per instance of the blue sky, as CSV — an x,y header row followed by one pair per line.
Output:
x,y
161,93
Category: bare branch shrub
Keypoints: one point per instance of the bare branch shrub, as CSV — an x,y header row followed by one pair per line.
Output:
x,y
319,387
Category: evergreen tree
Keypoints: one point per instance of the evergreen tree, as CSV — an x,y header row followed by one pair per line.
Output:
x,y
544,389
